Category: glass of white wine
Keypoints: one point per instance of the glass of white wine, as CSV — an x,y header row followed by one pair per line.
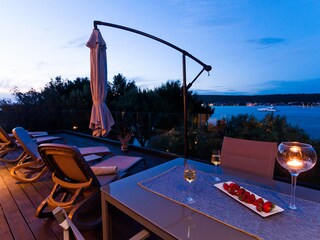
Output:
x,y
190,176
215,160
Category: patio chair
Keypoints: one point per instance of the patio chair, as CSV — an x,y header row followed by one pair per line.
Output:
x,y
250,156
31,167
77,188
8,143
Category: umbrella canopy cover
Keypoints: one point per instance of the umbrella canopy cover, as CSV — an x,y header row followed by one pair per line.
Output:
x,y
101,119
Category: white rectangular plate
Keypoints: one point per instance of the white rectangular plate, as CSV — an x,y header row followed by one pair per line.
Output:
x,y
276,209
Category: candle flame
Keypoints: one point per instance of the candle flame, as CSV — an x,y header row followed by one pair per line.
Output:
x,y
295,163
294,149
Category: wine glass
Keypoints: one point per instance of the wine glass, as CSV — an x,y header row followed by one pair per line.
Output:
x,y
190,225
189,175
215,160
296,158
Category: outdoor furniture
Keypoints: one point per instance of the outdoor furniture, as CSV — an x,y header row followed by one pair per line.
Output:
x,y
77,188
8,143
34,134
97,150
70,231
255,157
31,166
171,219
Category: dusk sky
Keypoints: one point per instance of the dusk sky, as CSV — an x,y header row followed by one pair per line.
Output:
x,y
253,46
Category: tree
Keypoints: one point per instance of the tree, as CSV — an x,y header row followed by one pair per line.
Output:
x,y
272,128
29,98
53,106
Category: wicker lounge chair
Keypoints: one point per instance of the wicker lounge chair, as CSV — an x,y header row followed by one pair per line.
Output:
x,y
77,188
31,167
8,143
250,156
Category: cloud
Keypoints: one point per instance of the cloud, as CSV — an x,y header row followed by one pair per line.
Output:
x,y
76,43
207,13
267,42
5,83
224,92
40,65
306,86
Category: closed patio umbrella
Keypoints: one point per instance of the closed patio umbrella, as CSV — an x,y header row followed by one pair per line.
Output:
x,y
101,119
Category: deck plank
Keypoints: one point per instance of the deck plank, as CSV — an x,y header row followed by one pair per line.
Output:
x,y
6,200
43,231
44,186
5,232
6,236
20,197
26,206
19,228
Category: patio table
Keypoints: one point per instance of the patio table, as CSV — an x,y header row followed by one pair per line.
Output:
x,y
159,209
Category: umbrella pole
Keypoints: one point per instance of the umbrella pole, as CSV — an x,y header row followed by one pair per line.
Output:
x,y
185,116
184,86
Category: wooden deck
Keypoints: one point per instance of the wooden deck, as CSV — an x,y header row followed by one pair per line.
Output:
x,y
18,201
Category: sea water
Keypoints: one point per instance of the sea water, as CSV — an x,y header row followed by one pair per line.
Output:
x,y
307,118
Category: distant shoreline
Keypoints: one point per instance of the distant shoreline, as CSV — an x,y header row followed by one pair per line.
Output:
x,y
275,99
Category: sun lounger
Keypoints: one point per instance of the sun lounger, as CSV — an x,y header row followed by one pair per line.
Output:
x,y
77,188
31,167
34,134
98,150
8,143
42,137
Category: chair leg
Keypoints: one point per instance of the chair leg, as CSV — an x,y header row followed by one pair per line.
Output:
x,y
70,231
143,234
23,178
145,165
86,215
41,213
8,160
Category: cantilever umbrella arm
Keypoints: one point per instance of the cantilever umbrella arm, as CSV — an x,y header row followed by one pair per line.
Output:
x,y
184,54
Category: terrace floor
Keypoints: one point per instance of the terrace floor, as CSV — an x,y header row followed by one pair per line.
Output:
x,y
18,201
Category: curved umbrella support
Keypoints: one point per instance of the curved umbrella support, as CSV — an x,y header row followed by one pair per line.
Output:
x,y
184,54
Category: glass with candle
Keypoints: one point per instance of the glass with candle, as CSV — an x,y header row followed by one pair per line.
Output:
x,y
296,158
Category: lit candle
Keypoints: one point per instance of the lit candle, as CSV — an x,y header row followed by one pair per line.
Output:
x,y
294,163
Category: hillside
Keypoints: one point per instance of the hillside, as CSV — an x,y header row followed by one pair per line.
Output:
x,y
262,99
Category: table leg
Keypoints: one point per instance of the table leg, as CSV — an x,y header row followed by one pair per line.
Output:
x,y
106,219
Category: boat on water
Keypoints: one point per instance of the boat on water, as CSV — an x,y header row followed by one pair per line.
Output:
x,y
267,109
